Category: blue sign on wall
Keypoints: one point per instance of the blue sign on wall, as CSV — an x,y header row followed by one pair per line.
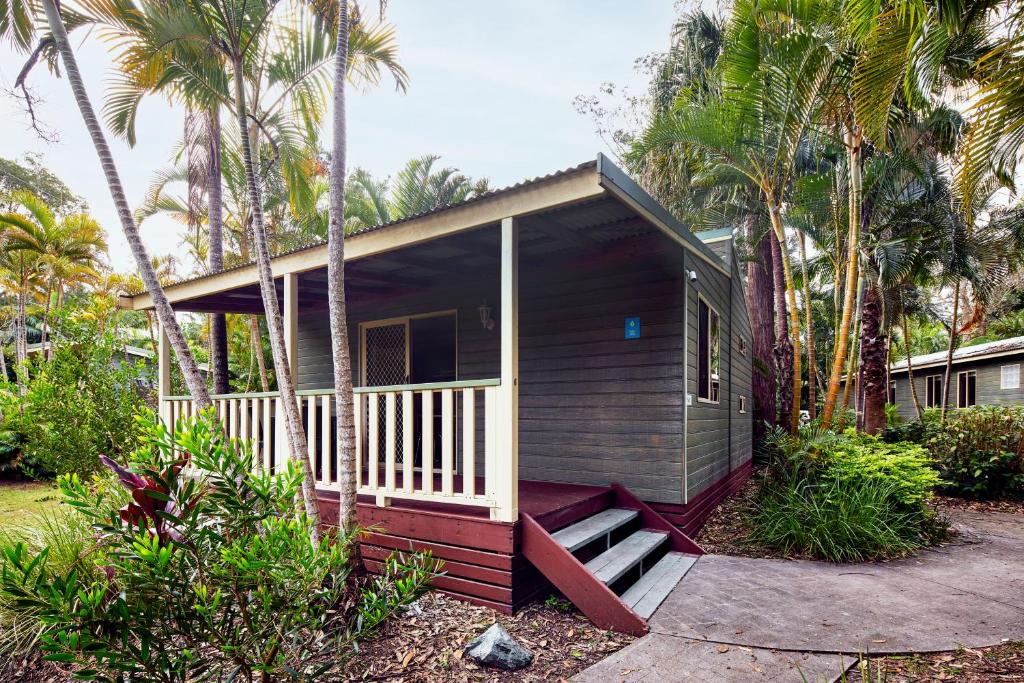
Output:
x,y
633,328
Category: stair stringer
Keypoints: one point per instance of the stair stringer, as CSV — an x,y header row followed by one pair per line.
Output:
x,y
651,519
598,602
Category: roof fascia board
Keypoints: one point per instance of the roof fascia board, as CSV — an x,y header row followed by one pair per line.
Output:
x,y
523,201
613,179
962,360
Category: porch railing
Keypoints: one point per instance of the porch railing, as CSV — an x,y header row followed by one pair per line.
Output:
x,y
424,442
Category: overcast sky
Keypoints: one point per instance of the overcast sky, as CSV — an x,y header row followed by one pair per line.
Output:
x,y
492,88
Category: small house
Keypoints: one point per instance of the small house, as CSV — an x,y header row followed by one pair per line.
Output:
x,y
553,387
983,374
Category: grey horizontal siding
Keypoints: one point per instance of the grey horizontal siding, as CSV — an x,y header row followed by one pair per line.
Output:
x,y
988,384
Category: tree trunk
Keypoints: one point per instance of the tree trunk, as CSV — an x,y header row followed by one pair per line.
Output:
x,y
812,360
164,312
873,362
949,352
853,369
257,340
285,384
21,340
345,435
783,345
775,213
853,144
43,336
910,366
215,222
760,305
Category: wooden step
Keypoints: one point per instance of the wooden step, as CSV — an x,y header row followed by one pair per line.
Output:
x,y
645,595
577,535
623,556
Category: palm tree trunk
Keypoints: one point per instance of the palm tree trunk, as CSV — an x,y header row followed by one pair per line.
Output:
x,y
257,340
874,362
812,360
164,312
853,145
215,223
794,313
949,352
853,357
21,341
783,350
285,384
44,322
910,366
761,304
345,435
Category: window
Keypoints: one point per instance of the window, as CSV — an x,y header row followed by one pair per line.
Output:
x,y
966,388
1009,377
708,352
933,391
743,404
892,392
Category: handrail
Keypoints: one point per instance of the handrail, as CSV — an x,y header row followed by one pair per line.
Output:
x,y
426,386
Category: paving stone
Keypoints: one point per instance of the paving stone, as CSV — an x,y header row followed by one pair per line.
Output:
x,y
661,658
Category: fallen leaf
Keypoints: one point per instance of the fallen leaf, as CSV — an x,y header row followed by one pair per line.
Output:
x,y
408,657
457,654
723,649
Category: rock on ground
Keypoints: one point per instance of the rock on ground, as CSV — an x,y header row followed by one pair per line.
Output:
x,y
495,647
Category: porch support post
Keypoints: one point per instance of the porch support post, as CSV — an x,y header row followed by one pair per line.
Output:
x,y
507,427
291,323
163,374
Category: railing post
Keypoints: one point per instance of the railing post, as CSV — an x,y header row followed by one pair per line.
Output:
x,y
163,376
291,323
506,487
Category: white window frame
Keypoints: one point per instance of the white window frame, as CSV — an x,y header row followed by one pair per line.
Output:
x,y
928,383
1002,376
711,375
968,373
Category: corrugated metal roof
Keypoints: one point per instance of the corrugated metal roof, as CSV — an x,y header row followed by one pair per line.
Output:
x,y
965,353
487,195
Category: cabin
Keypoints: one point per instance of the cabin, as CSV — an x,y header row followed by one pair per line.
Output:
x,y
983,374
553,387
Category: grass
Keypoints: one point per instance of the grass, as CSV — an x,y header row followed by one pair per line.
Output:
x,y
23,502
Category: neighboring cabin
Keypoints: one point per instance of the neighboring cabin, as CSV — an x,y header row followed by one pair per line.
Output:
x,y
984,374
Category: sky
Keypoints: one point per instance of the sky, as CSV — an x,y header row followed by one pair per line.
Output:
x,y
491,91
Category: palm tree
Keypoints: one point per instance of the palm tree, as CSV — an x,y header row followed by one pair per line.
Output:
x,y
769,99
64,251
21,30
345,434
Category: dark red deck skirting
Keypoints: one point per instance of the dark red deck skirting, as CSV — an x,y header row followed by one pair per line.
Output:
x,y
485,562
690,517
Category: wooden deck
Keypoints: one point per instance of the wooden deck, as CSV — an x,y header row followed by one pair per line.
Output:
x,y
483,560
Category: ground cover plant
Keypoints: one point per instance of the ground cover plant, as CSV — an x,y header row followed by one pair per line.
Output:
x,y
845,497
206,573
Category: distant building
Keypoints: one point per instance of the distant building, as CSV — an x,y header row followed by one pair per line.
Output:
x,y
132,354
984,374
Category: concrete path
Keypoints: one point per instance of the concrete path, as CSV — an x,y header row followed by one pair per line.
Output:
x,y
969,593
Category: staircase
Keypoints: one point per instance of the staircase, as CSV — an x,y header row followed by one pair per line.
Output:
x,y
617,565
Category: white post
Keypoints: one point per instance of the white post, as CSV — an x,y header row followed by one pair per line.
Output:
x,y
291,323
507,418
163,376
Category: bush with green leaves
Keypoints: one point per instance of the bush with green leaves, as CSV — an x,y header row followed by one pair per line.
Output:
x,y
208,573
839,521
78,405
862,457
914,431
980,452
844,496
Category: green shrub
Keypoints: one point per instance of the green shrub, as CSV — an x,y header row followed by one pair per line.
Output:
x,y
980,452
861,457
79,405
839,521
914,431
208,573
